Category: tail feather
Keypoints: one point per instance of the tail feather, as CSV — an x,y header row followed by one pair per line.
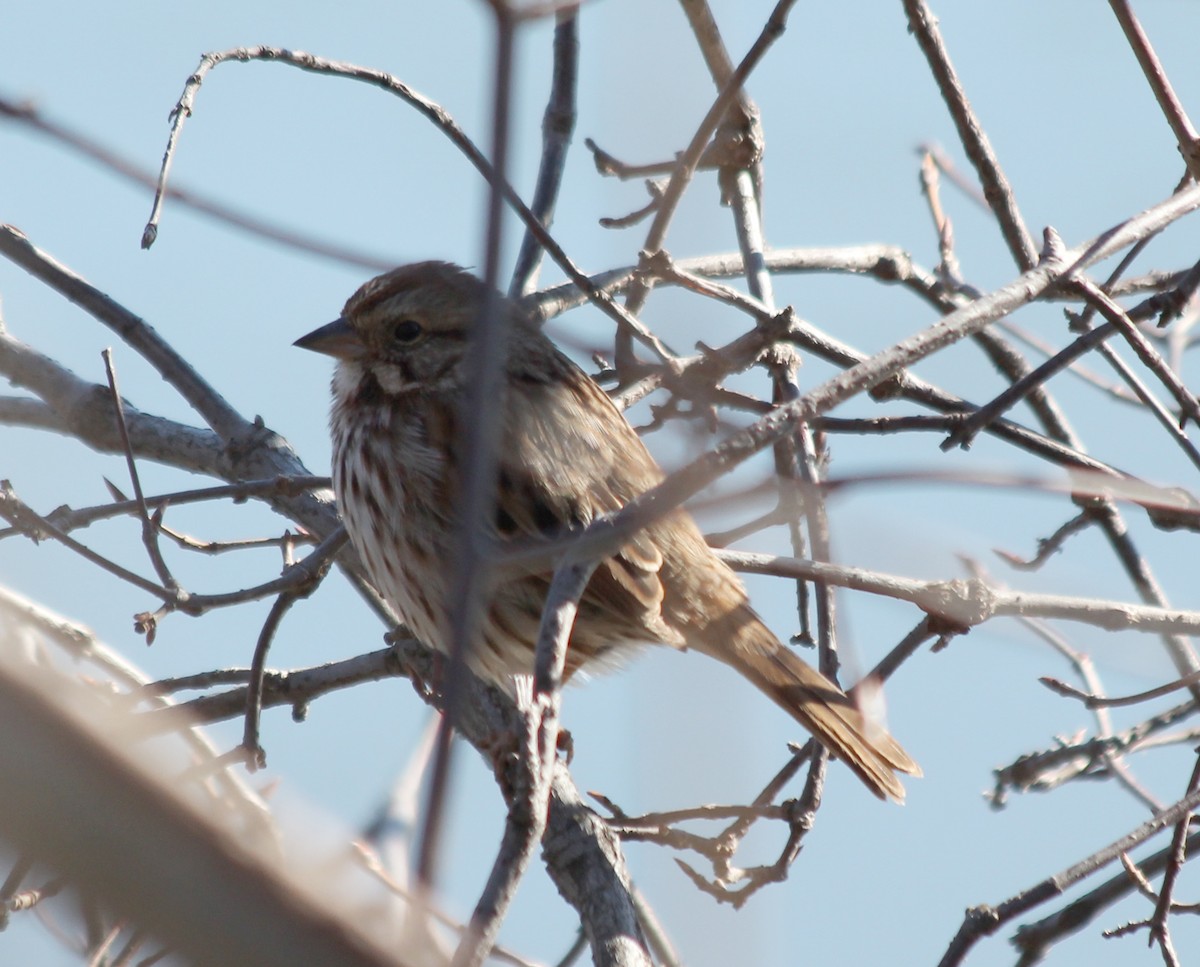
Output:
x,y
821,707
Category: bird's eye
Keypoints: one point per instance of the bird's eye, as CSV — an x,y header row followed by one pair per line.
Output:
x,y
407,331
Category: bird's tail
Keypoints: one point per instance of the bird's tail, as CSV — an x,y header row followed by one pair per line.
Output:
x,y
820,706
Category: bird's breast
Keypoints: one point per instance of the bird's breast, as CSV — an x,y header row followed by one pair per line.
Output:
x,y
392,490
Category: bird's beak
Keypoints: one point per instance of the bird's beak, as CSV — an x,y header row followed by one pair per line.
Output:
x,y
337,339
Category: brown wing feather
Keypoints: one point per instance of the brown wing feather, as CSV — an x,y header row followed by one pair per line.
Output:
x,y
564,467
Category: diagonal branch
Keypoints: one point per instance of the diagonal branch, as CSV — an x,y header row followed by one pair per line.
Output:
x,y
216,412
923,24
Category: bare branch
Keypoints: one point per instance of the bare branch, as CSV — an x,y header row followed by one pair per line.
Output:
x,y
205,400
984,920
558,123
996,189
1156,76
130,171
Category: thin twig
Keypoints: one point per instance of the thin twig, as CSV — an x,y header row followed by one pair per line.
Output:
x,y
996,189
685,166
1081,756
68,519
1141,345
252,750
984,920
526,820
1033,939
1048,546
1178,855
558,123
1167,420
22,517
1092,700
431,111
948,266
1085,668
149,526
176,370
131,171
1164,93
481,412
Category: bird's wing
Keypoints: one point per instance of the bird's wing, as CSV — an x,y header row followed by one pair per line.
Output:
x,y
569,457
